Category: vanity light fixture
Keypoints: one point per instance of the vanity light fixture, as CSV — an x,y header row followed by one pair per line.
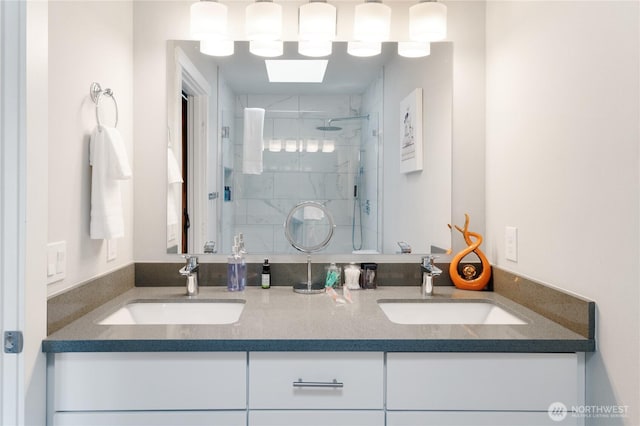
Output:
x,y
428,21
266,48
364,48
316,28
291,145
275,145
217,47
312,145
372,22
263,27
414,49
328,145
208,20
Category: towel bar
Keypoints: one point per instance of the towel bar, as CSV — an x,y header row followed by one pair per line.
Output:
x,y
96,93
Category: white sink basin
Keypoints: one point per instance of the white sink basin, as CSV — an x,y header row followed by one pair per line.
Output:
x,y
446,312
147,312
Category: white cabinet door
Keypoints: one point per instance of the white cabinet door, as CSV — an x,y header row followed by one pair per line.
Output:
x,y
316,418
151,418
149,381
483,381
477,418
305,380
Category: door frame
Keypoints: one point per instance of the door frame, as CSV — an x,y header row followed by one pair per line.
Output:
x,y
12,202
191,81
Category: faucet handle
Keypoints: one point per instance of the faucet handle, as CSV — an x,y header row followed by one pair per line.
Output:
x,y
192,261
429,266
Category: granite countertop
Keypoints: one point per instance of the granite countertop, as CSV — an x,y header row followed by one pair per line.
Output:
x,y
280,320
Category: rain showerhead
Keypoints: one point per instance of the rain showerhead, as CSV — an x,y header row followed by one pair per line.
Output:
x,y
330,128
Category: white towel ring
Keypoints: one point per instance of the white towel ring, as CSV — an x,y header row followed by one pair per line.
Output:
x,y
96,93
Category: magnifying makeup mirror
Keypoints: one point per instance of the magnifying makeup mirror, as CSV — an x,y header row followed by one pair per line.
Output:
x,y
308,228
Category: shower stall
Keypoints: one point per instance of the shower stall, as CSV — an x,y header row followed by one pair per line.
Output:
x,y
325,156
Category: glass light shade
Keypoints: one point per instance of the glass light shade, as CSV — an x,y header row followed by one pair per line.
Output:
x,y
414,49
266,48
216,47
328,145
314,48
312,145
428,21
291,145
363,48
208,20
275,145
317,21
372,22
263,21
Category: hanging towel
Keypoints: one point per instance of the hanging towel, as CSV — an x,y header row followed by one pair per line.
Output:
x,y
110,165
174,175
252,144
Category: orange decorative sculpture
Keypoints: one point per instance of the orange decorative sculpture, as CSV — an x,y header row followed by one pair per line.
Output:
x,y
470,279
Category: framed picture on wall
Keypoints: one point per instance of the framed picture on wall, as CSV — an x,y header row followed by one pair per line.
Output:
x,y
411,132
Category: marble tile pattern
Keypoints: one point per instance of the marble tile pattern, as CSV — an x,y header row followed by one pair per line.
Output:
x,y
262,202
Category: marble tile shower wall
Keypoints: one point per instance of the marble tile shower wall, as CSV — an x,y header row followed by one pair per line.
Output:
x,y
262,202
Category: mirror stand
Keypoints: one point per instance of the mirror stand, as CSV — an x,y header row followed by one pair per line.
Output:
x,y
309,228
308,287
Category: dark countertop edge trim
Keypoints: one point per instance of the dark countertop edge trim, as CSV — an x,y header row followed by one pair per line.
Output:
x,y
444,345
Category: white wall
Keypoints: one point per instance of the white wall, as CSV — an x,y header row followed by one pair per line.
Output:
x,y
563,166
35,291
466,28
88,41
422,197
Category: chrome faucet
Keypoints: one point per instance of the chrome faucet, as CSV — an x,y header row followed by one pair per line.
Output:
x,y
429,271
191,271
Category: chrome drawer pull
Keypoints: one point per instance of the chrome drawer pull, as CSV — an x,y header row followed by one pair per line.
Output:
x,y
333,384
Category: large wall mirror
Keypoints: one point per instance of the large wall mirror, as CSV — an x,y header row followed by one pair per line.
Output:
x,y
336,143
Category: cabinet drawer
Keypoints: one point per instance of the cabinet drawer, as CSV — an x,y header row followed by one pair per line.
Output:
x,y
483,381
305,380
151,418
316,418
149,381
477,418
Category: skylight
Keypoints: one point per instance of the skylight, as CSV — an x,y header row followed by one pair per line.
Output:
x,y
296,70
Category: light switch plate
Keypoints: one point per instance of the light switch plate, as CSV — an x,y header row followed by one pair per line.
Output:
x,y
56,261
112,250
511,243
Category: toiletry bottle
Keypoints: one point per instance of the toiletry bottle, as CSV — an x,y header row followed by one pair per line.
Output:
x,y
266,274
352,276
333,276
232,270
227,193
242,272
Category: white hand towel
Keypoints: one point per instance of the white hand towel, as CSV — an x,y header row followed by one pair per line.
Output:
x,y
174,175
108,158
252,144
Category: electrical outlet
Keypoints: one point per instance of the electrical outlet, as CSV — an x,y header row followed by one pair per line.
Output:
x,y
511,243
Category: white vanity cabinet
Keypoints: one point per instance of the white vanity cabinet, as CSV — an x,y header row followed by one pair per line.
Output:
x,y
451,389
313,388
147,388
316,388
